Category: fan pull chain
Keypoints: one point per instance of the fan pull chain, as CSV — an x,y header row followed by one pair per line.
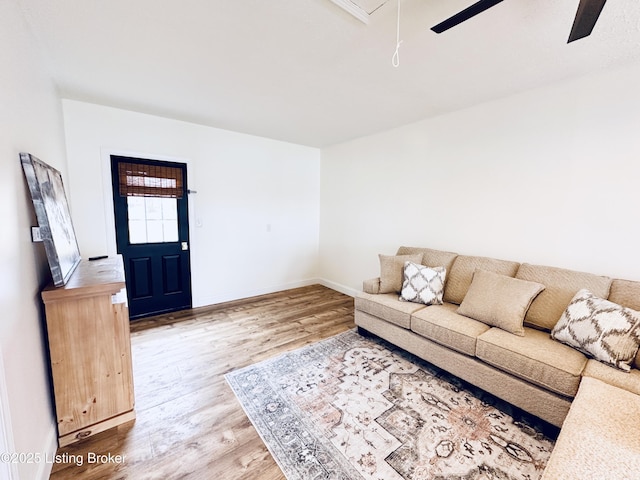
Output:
x,y
395,60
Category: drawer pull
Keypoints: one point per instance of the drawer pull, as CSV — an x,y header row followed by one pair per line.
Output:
x,y
84,434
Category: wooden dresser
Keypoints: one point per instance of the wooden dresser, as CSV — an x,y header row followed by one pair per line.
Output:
x,y
90,350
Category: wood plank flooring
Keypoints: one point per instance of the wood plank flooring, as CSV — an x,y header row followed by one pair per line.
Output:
x,y
189,423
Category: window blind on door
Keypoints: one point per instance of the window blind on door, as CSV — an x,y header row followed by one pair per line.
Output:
x,y
142,180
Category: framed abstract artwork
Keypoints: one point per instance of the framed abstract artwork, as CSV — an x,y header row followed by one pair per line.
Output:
x,y
54,218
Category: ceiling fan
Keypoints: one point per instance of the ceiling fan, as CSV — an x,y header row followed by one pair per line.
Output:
x,y
586,17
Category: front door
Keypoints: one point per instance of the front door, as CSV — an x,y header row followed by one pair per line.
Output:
x,y
152,233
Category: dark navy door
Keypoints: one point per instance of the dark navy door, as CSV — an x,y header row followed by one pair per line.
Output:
x,y
152,233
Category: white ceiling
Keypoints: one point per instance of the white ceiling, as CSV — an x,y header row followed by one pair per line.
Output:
x,y
305,71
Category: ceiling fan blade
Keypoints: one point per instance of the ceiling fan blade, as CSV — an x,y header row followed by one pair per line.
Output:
x,y
586,18
465,14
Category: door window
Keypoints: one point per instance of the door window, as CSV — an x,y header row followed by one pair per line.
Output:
x,y
152,220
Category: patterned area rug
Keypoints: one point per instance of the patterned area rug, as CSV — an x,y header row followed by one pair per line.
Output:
x,y
352,408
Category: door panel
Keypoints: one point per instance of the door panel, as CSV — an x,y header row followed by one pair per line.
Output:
x,y
172,273
141,277
150,233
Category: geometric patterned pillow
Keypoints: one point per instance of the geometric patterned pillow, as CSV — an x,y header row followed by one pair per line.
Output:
x,y
423,284
601,329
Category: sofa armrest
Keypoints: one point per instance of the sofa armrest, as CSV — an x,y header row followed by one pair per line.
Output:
x,y
371,286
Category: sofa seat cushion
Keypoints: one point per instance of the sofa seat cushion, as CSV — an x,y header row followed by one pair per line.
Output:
x,y
628,381
535,357
443,325
599,438
387,306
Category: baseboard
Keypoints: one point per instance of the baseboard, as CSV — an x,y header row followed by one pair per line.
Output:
x,y
50,447
238,295
352,292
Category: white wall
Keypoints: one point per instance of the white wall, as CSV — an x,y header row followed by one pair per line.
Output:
x,y
31,121
257,200
549,177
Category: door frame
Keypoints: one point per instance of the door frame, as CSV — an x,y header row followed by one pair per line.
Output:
x,y
156,301
107,195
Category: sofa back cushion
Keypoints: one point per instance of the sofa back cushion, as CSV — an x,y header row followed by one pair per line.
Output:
x,y
431,258
461,274
627,294
560,287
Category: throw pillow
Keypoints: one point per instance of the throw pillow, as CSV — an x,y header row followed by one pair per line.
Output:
x,y
600,329
423,284
391,271
499,300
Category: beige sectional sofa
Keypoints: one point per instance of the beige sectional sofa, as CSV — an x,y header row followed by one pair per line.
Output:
x,y
527,368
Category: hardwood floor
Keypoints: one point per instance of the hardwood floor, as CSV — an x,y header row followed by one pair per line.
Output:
x,y
189,423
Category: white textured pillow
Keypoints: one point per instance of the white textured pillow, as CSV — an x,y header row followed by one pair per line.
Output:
x,y
423,284
601,329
